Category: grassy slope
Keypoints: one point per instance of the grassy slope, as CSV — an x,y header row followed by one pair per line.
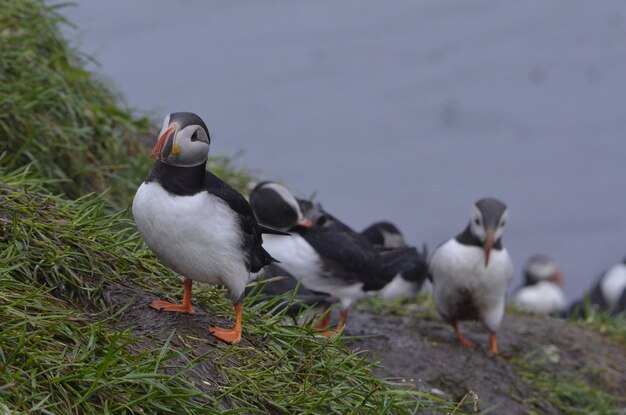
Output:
x,y
62,350
65,346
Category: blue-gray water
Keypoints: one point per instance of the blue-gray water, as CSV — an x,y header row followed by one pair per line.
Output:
x,y
403,110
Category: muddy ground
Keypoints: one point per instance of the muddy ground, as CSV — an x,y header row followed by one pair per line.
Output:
x,y
423,352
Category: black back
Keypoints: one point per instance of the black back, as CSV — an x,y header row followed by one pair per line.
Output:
x,y
375,233
351,258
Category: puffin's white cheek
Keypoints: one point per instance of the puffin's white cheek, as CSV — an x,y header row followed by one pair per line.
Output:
x,y
478,231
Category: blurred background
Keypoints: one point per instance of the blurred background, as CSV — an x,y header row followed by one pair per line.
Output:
x,y
405,111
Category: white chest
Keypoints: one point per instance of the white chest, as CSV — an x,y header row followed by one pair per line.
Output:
x,y
541,298
460,276
464,266
296,256
196,236
613,284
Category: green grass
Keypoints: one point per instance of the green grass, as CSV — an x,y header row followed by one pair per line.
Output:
x,y
62,352
57,116
568,392
62,120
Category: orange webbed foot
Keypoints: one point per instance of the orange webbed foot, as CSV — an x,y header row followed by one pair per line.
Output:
x,y
342,320
328,333
230,336
493,345
323,323
462,339
171,307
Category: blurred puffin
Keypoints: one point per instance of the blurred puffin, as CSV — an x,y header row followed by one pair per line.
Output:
x,y
196,224
607,294
407,283
472,272
384,234
541,293
324,253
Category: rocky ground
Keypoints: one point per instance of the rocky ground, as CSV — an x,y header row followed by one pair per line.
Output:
x,y
421,350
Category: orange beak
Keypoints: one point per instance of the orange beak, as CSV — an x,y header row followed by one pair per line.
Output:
x,y
488,245
305,223
160,145
558,278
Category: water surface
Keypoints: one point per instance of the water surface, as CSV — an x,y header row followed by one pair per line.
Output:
x,y
407,111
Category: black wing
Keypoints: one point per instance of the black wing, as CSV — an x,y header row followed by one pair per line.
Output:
x,y
347,256
257,257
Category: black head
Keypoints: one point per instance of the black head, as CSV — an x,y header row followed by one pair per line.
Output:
x,y
541,268
183,141
487,222
385,234
274,205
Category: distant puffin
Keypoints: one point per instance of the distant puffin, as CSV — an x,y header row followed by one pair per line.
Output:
x,y
408,283
196,224
541,293
324,253
607,294
472,272
384,234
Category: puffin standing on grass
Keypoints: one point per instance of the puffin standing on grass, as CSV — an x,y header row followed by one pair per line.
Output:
x,y
324,253
472,272
541,293
196,224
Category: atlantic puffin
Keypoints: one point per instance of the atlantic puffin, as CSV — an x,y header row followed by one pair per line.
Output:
x,y
542,292
471,272
323,252
196,224
607,294
405,284
384,233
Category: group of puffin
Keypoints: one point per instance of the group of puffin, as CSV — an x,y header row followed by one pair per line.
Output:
x,y
204,230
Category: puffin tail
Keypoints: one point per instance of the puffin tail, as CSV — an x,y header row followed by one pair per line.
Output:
x,y
260,258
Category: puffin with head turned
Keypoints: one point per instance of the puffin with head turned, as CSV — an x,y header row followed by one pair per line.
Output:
x,y
197,225
541,293
471,272
325,254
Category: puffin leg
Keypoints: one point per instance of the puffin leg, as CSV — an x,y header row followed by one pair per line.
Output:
x,y
462,339
184,307
323,323
233,335
493,344
342,322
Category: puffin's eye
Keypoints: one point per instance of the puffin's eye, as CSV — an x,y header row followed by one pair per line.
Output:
x,y
502,223
194,136
477,221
